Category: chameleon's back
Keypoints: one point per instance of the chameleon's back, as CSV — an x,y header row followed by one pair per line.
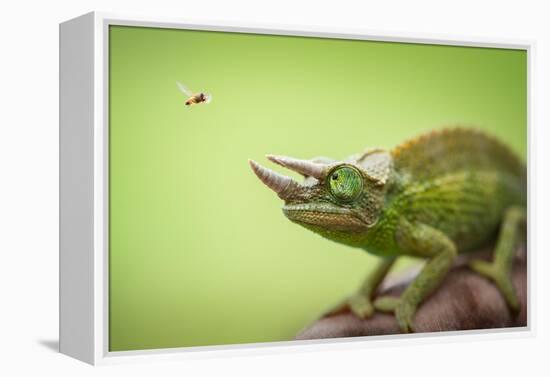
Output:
x,y
440,152
459,181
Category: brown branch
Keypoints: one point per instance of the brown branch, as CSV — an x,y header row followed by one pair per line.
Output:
x,y
464,301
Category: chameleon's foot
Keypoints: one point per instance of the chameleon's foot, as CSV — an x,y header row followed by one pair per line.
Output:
x,y
404,311
386,304
359,304
501,278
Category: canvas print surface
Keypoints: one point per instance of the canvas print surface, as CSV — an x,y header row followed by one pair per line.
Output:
x,y
392,198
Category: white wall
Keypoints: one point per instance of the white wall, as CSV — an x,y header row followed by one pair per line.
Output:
x,y
29,185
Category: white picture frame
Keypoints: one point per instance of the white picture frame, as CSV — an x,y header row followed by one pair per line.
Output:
x,y
84,194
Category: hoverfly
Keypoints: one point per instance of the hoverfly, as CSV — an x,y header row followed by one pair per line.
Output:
x,y
193,99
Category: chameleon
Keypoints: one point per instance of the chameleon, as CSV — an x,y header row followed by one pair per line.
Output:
x,y
443,193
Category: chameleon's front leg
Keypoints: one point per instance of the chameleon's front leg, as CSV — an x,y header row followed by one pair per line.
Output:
x,y
360,303
420,240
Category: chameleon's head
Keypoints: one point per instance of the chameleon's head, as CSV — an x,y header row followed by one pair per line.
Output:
x,y
338,200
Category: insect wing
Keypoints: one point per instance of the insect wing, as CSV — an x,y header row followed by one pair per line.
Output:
x,y
208,98
184,89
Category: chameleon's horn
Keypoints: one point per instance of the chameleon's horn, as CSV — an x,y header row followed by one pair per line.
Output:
x,y
281,184
304,167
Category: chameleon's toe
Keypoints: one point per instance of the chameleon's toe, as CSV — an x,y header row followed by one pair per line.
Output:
x,y
386,304
404,313
358,304
482,267
361,306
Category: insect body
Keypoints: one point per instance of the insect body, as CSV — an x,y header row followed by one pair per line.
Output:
x,y
194,98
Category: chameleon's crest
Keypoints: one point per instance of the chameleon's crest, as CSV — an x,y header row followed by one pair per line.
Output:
x,y
377,164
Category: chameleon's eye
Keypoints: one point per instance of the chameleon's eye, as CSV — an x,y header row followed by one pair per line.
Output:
x,y
345,183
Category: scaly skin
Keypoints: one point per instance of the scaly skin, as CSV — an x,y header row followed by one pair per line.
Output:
x,y
443,193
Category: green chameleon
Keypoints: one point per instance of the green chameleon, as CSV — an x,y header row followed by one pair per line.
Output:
x,y
443,193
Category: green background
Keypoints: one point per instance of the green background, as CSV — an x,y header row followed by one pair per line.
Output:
x,y
200,252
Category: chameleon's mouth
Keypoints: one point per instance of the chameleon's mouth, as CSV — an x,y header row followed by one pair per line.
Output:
x,y
324,216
